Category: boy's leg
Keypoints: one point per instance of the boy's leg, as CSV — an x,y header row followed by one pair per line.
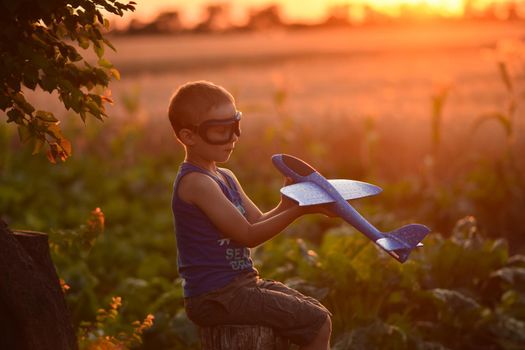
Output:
x,y
322,339
287,311
278,286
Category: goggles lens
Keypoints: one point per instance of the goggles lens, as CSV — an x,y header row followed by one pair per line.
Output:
x,y
219,131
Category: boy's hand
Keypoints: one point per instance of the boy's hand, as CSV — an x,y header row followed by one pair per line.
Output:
x,y
325,209
287,203
288,181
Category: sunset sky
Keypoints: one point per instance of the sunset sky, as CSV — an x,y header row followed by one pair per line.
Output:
x,y
297,10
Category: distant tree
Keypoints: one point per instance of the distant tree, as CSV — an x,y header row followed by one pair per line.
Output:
x,y
168,22
216,19
39,43
338,15
372,16
468,9
513,11
165,23
267,17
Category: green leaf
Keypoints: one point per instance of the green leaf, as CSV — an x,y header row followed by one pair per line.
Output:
x,y
65,145
105,63
46,116
109,44
76,100
52,153
83,42
74,56
501,118
5,102
99,49
456,307
23,104
54,131
512,275
93,107
39,143
14,115
114,72
510,331
24,133
504,73
30,78
516,260
90,85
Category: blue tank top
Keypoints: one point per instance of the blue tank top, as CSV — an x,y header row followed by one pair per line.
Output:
x,y
207,259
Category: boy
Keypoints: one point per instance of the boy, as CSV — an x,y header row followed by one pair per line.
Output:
x,y
216,224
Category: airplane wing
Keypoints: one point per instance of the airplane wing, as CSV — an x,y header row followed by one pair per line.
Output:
x,y
406,237
308,193
390,244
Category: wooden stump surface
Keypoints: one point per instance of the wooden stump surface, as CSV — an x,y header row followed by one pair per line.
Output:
x,y
241,337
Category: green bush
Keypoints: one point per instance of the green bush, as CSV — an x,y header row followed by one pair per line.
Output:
x,y
463,290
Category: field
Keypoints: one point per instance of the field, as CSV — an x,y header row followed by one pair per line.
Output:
x,y
434,115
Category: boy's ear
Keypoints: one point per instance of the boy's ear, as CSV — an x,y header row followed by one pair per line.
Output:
x,y
187,137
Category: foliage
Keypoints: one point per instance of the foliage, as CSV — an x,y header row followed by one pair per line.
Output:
x,y
38,50
76,243
100,335
108,331
458,293
506,54
438,102
462,290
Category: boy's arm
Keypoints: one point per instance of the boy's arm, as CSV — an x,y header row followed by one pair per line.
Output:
x,y
200,190
254,214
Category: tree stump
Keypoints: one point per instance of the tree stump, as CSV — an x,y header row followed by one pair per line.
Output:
x,y
33,310
241,337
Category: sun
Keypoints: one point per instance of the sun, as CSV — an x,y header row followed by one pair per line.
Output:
x,y
440,7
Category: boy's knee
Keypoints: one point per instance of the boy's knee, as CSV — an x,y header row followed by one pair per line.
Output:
x,y
328,324
326,328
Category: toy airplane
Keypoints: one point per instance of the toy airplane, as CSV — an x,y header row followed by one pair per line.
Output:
x,y
312,188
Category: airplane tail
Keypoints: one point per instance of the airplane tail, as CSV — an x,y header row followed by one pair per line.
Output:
x,y
399,243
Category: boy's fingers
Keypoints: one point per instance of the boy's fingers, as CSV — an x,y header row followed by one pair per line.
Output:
x,y
325,209
288,181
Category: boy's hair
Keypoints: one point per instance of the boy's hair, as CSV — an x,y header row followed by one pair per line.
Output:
x,y
194,99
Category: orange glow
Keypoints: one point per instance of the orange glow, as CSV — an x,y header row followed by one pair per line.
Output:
x,y
314,10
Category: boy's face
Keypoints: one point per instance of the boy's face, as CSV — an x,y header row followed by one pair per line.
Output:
x,y
216,140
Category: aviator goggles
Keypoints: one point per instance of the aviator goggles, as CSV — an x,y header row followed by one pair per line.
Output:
x,y
218,131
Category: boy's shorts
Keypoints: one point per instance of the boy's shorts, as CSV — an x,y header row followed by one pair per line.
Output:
x,y
251,300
